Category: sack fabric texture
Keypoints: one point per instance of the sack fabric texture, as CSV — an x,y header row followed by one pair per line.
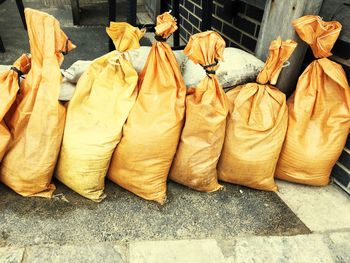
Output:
x,y
319,110
205,122
256,125
36,118
142,160
102,101
9,88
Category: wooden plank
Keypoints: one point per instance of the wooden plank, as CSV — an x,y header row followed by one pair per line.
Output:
x,y
277,21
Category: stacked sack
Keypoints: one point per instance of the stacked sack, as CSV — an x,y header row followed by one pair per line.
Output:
x,y
205,122
256,125
319,110
142,160
103,98
36,119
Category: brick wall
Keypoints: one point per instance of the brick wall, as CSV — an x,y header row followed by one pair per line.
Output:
x,y
238,22
190,18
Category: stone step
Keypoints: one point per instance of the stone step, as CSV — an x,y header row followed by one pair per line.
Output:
x,y
348,143
325,247
344,158
341,176
341,170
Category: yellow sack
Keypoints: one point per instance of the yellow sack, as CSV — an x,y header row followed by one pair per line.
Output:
x,y
319,110
142,160
257,125
36,119
206,111
9,87
104,95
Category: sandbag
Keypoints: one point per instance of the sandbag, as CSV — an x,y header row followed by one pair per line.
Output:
x,y
36,119
9,87
142,159
74,72
96,114
238,67
319,110
203,134
256,125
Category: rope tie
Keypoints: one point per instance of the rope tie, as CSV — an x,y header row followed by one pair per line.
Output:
x,y
19,73
160,38
66,51
205,67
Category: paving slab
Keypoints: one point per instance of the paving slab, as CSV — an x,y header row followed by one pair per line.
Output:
x,y
340,246
11,254
320,208
69,218
184,251
300,249
322,248
107,253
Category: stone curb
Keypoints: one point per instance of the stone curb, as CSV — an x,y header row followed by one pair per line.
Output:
x,y
318,247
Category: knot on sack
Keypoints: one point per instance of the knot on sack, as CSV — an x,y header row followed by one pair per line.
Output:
x,y
208,71
19,73
65,52
160,38
115,59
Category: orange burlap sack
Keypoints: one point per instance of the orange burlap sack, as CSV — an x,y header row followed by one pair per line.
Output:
x,y
205,122
101,103
319,110
256,126
36,119
9,87
142,159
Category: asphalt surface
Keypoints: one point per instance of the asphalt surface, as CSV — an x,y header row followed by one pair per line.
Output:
x,y
69,218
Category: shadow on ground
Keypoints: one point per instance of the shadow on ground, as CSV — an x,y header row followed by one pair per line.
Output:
x,y
122,216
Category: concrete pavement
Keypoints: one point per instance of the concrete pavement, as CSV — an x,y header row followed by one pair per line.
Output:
x,y
327,247
227,226
299,224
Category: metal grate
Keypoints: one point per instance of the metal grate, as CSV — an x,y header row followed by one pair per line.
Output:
x,y
132,19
